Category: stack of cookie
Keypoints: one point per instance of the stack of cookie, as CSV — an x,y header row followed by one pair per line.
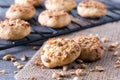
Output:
x,y
59,51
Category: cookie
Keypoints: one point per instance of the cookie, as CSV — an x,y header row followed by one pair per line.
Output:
x,y
28,2
59,52
91,48
20,12
66,5
14,29
54,18
91,9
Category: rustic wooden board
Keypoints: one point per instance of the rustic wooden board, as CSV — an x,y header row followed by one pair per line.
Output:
x,y
110,31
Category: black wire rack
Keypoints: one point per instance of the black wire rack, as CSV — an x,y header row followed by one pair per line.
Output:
x,y
39,32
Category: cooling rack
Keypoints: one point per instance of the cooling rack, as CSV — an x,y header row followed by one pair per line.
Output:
x,y
39,32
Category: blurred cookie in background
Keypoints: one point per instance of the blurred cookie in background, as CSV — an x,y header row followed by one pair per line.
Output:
x,y
66,5
28,2
20,12
91,9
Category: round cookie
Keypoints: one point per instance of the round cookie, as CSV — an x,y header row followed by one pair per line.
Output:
x,y
91,48
14,29
20,12
91,9
28,2
66,5
54,18
59,52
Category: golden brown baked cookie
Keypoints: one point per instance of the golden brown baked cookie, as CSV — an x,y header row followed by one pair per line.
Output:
x,y
54,18
14,29
66,5
59,52
28,2
91,9
91,48
20,12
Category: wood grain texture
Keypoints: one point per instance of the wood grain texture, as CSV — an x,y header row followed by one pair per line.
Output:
x,y
111,31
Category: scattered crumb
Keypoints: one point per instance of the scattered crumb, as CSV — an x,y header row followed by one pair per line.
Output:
x,y
65,68
104,40
40,64
119,58
83,66
13,59
55,75
117,66
32,78
79,61
117,62
59,78
63,74
2,72
75,78
99,68
16,63
91,70
115,53
7,57
79,72
72,73
113,45
59,75
42,67
111,49
35,48
37,63
20,66
24,58
15,72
